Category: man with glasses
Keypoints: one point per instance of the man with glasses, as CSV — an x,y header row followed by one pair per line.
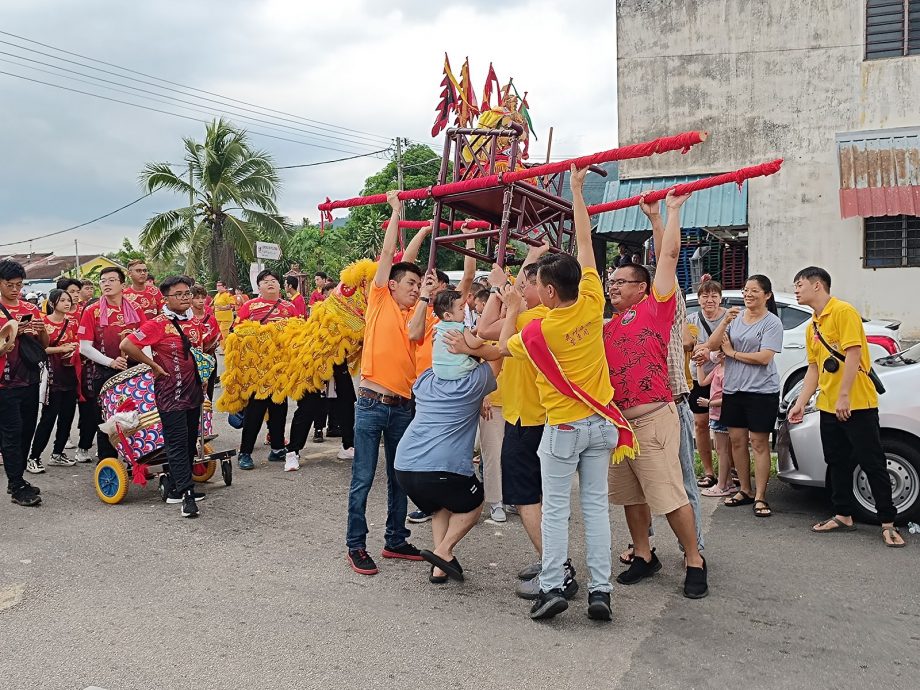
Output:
x,y
178,388
19,382
142,291
102,328
266,308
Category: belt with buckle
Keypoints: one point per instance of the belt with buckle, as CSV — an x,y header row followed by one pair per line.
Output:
x,y
382,398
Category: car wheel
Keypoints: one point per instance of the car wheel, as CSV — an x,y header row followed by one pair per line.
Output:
x,y
904,470
794,378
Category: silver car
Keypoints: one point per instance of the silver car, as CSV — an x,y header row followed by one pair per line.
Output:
x,y
801,457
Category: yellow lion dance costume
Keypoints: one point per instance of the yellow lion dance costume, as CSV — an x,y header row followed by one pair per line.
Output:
x,y
285,359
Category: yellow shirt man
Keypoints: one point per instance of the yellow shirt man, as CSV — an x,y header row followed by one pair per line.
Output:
x,y
574,336
518,381
841,326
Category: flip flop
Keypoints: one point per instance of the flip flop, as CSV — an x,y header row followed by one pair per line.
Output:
x,y
452,568
891,531
716,492
745,500
841,526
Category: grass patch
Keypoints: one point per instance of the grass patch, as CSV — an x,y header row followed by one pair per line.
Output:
x,y
698,464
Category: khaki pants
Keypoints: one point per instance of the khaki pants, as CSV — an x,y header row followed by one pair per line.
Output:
x,y
491,433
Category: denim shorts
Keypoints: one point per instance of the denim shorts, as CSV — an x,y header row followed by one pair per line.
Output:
x,y
717,426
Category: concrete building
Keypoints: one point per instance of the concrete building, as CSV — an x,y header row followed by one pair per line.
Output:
x,y
832,87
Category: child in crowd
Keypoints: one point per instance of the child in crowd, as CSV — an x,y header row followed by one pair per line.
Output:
x,y
448,307
714,379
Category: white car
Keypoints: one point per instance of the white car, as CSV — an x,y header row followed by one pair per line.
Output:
x,y
884,336
801,456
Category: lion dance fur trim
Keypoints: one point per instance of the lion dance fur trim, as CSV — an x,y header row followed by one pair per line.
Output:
x,y
285,359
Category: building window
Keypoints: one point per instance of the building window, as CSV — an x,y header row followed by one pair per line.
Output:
x,y
892,242
892,28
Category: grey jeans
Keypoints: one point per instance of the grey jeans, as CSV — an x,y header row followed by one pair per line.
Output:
x,y
687,467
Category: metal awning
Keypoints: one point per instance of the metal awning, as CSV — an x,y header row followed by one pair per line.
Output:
x,y
879,172
721,210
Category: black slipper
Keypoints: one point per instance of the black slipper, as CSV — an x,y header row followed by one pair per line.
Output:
x,y
629,559
436,579
450,567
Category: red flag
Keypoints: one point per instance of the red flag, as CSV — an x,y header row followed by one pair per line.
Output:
x,y
467,108
448,101
491,80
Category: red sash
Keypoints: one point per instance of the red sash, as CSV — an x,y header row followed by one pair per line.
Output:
x,y
543,359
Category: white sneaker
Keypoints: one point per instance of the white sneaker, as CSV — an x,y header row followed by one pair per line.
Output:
x,y
83,455
346,454
291,462
70,445
61,460
498,513
34,466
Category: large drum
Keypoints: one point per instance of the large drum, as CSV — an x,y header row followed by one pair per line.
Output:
x,y
137,384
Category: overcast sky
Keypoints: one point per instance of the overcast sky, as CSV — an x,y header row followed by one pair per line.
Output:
x,y
352,66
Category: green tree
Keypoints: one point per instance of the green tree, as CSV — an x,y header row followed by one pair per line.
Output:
x,y
316,249
234,188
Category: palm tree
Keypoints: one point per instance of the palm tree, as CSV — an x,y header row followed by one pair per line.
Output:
x,y
233,190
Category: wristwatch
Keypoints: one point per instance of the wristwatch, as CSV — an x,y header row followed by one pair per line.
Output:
x,y
424,299
496,290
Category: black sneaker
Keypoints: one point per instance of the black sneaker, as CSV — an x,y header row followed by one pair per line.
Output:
x,y
23,495
176,497
318,436
189,507
599,606
639,570
334,432
34,489
569,585
549,604
361,562
406,552
695,585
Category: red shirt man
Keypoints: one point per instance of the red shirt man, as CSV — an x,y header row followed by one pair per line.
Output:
x,y
142,293
15,372
291,285
259,308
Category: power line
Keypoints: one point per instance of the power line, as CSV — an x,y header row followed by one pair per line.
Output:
x,y
75,227
155,97
336,160
166,112
336,128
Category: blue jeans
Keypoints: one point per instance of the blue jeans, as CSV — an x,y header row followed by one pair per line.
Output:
x,y
686,465
373,419
584,447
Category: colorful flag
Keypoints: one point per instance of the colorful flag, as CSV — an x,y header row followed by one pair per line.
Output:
x,y
491,80
449,99
467,108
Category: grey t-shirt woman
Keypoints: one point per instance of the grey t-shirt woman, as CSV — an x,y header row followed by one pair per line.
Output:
x,y
764,334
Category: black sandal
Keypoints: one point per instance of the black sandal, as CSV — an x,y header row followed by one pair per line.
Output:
x,y
452,567
707,481
745,500
764,511
891,531
436,579
628,560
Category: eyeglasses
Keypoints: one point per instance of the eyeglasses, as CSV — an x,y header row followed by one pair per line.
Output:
x,y
620,282
180,295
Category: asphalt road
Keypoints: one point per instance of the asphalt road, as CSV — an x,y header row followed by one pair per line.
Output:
x,y
256,594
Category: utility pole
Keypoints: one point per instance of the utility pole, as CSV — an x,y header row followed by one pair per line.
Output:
x,y
400,185
191,201
76,258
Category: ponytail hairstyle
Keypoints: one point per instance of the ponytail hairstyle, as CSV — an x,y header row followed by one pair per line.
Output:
x,y
767,287
55,296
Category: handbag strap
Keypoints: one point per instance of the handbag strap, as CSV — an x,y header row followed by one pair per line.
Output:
x,y
270,311
834,352
6,312
186,343
60,335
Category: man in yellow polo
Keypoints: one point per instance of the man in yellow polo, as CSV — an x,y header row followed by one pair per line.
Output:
x,y
839,364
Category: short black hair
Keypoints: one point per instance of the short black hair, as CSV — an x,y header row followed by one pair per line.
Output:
x,y
64,283
86,282
483,294
444,301
9,270
292,282
563,272
113,269
320,274
199,290
814,273
401,268
265,274
443,277
172,281
640,272
530,271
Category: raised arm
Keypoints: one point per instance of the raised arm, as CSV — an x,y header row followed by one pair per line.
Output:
x,y
582,219
415,244
667,241
491,321
382,277
416,325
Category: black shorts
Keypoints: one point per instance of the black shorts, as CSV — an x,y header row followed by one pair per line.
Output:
x,y
433,491
521,480
752,411
695,395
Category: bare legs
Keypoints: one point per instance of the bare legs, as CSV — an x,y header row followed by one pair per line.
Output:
x,y
447,529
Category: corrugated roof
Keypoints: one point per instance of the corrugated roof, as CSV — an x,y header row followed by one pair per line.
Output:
x,y
718,207
879,172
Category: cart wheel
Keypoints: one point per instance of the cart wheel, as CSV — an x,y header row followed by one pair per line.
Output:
x,y
165,487
226,470
203,471
111,479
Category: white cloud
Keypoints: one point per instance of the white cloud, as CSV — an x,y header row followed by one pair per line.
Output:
x,y
349,62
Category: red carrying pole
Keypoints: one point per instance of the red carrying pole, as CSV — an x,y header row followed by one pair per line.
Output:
x,y
679,142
